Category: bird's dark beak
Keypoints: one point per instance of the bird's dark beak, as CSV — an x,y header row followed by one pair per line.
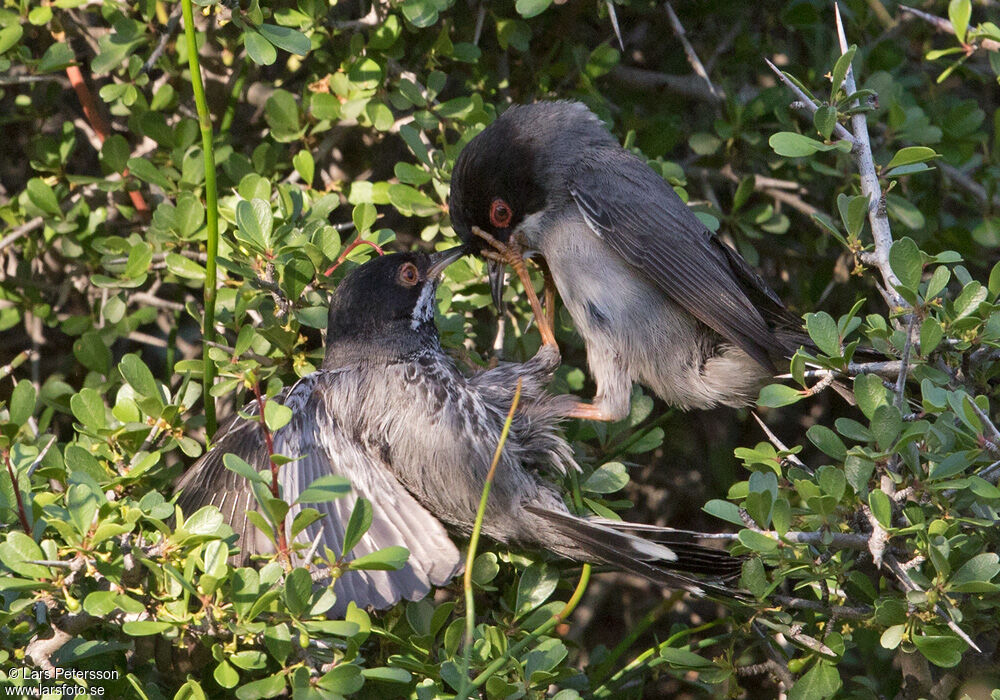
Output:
x,y
497,275
442,259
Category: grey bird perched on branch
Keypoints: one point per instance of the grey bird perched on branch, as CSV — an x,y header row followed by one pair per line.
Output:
x,y
390,411
656,296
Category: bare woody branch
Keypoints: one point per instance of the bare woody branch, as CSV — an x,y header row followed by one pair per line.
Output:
x,y
943,25
862,154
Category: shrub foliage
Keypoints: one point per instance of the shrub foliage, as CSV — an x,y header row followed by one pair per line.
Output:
x,y
859,174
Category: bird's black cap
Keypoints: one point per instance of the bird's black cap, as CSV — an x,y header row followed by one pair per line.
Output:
x,y
386,306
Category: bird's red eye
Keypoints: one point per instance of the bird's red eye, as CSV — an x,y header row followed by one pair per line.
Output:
x,y
500,213
409,275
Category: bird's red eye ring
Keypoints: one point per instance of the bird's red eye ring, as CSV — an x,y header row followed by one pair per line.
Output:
x,y
409,275
500,213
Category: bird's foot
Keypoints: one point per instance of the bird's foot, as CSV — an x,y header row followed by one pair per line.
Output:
x,y
590,411
511,253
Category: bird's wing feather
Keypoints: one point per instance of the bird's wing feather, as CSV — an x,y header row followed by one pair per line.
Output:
x,y
209,482
324,448
398,519
635,212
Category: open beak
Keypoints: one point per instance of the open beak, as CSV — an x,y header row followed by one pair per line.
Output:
x,y
497,274
442,259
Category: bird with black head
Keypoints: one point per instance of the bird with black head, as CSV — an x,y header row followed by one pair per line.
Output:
x,y
389,410
657,298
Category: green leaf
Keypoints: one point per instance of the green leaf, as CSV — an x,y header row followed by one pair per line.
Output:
x,y
259,49
938,281
724,510
146,171
757,541
886,424
281,112
137,374
485,568
364,215
942,651
254,221
793,145
304,165
420,13
357,526
823,331
776,395
537,583
144,628
22,402
869,393
298,590
344,679
821,681
910,155
754,577
286,38
531,8
881,507
88,408
43,196
92,353
906,261
237,464
387,559
959,12
607,478
325,488
827,441
969,299
225,675
974,575
931,335
825,119
276,416
57,57
184,267
10,35
841,67
115,153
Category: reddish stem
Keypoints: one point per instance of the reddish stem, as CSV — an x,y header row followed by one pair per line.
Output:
x,y
101,127
343,256
269,443
22,513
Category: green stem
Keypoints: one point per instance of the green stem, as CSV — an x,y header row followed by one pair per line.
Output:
x,y
234,98
543,628
603,669
653,651
211,210
470,557
574,600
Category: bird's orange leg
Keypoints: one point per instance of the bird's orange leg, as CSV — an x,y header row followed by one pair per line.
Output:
x,y
510,254
589,411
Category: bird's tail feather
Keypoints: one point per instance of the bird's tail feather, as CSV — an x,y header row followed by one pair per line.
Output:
x,y
667,557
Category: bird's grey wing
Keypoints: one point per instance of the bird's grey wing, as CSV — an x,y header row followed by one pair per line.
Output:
x,y
642,219
398,519
209,482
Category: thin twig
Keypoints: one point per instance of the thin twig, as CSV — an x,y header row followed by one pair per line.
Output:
x,y
907,583
870,188
687,85
689,51
172,23
778,443
850,613
22,230
807,103
943,25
